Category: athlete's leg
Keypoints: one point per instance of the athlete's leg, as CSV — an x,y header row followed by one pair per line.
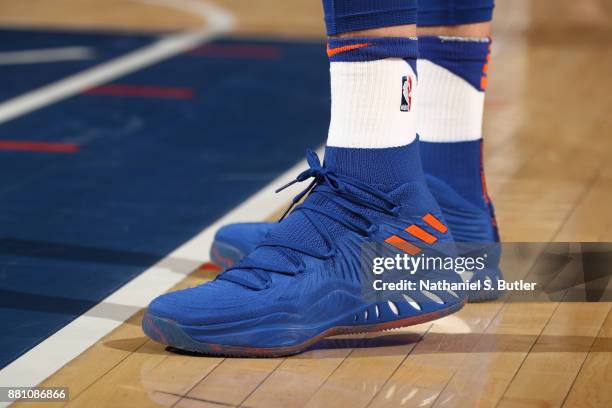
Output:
x,y
454,46
359,113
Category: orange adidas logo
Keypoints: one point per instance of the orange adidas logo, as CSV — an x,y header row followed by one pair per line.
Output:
x,y
419,233
333,51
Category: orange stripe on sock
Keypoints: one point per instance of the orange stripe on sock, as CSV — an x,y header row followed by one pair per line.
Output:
x,y
421,234
435,223
485,69
403,245
483,83
333,51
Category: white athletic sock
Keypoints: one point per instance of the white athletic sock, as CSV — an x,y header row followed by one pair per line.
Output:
x,y
373,90
452,79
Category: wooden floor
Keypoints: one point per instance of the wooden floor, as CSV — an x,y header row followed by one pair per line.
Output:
x,y
548,133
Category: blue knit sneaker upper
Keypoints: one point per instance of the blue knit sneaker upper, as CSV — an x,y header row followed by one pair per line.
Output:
x,y
307,269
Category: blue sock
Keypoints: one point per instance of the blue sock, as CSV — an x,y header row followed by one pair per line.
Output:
x,y
466,58
453,77
458,164
385,168
372,133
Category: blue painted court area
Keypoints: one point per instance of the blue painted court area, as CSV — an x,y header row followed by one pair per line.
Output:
x,y
63,49
99,187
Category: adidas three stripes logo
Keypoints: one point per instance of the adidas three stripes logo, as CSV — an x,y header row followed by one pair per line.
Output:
x,y
418,233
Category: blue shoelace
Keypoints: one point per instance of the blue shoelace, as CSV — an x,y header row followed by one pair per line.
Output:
x,y
338,189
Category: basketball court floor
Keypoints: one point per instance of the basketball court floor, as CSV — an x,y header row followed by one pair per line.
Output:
x,y
118,161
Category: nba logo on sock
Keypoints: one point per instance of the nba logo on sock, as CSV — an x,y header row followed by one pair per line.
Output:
x,y
406,94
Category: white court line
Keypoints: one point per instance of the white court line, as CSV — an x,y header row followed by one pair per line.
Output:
x,y
46,55
50,355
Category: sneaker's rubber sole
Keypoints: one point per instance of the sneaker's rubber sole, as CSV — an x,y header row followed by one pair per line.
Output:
x,y
170,333
225,255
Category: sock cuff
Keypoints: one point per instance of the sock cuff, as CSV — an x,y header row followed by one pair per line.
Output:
x,y
342,16
468,58
372,49
385,166
454,48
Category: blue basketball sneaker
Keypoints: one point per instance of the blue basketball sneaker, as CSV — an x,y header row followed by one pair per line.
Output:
x,y
304,280
475,233
474,229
